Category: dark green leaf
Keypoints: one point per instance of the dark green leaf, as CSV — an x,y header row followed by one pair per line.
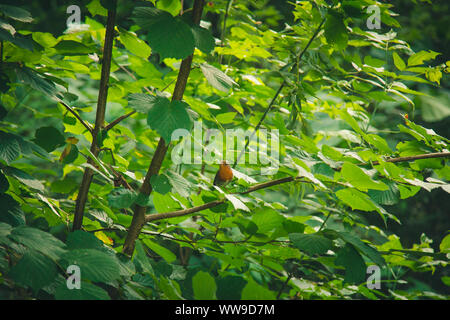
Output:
x,y
311,243
49,138
87,291
351,260
94,264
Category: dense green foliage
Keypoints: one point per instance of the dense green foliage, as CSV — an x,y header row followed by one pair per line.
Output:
x,y
344,99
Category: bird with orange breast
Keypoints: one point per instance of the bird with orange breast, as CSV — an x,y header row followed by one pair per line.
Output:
x,y
224,175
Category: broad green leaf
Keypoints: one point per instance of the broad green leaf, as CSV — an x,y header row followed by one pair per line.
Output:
x,y
11,211
4,184
35,80
24,177
351,260
45,39
83,240
254,291
386,197
134,44
9,147
421,56
167,116
364,248
141,260
445,244
49,138
217,78
34,270
356,199
94,264
39,240
72,48
172,6
203,39
359,179
230,287
267,219
160,250
169,36
237,204
311,243
204,286
336,31
121,198
398,62
160,183
95,8
16,13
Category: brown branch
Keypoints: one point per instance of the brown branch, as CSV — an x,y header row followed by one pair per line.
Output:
x,y
99,118
85,124
138,220
113,123
268,184
417,157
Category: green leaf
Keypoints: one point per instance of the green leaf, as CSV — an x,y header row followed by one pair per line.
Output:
x,y
160,184
49,138
217,78
24,177
9,147
204,286
356,199
16,13
267,219
121,198
95,8
386,197
359,179
254,291
135,45
203,39
367,250
230,287
4,184
169,36
336,31
11,211
172,6
398,62
34,270
35,80
165,117
39,240
311,243
351,260
87,291
72,48
421,56
141,260
445,244
83,240
94,264
160,250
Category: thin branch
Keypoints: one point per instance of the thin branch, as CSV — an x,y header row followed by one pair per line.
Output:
x,y
85,124
224,27
113,123
269,107
417,157
268,184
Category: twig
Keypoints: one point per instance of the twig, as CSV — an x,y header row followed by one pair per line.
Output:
x,y
417,157
300,56
113,123
85,124
224,27
268,184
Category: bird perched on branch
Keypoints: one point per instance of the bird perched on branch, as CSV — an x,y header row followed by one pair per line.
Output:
x,y
224,175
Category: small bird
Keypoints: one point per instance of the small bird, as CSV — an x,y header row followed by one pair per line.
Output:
x,y
224,175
